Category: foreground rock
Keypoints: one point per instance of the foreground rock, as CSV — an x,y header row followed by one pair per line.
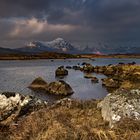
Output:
x,y
69,119
13,105
59,88
38,84
121,104
61,71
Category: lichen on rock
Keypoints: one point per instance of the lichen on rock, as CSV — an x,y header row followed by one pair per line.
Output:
x,y
121,104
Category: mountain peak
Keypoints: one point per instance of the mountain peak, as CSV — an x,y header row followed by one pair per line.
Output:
x,y
58,45
59,39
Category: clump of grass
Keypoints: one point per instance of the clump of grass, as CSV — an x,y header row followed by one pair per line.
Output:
x,y
76,120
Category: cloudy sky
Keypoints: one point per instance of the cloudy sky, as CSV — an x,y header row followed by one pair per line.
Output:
x,y
73,20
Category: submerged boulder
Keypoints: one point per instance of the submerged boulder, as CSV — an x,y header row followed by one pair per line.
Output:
x,y
94,80
88,75
119,105
61,71
60,88
68,67
76,67
38,84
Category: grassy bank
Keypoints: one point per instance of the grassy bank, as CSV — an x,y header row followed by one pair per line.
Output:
x,y
53,55
69,120
47,55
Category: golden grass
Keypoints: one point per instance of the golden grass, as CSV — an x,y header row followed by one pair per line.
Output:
x,y
72,121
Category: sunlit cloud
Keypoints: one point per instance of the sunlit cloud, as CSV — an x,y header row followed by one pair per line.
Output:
x,y
28,27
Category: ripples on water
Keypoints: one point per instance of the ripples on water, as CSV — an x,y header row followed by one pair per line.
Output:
x,y
17,75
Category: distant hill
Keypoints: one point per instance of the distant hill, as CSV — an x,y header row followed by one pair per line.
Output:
x,y
8,51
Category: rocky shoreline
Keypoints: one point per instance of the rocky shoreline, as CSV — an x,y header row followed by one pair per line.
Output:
x,y
116,117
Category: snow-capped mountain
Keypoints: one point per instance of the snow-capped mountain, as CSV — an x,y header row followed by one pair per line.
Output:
x,y
58,45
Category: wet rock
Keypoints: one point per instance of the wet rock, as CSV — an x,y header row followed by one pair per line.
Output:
x,y
96,69
76,67
88,75
68,67
88,68
61,71
84,63
119,105
133,63
94,80
60,88
121,63
38,84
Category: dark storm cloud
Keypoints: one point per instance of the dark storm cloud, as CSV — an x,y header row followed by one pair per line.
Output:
x,y
81,18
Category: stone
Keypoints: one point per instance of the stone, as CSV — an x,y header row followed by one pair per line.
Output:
x,y
94,80
88,68
88,75
60,88
61,71
13,105
38,84
76,67
119,105
84,63
110,83
68,67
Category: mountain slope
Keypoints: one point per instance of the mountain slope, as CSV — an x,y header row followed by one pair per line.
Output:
x,y
8,51
58,45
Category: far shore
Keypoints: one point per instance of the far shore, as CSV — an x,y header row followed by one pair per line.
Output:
x,y
65,56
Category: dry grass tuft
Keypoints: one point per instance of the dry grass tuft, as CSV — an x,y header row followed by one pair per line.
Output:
x,y
76,121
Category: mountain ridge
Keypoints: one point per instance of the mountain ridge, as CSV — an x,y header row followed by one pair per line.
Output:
x,y
58,45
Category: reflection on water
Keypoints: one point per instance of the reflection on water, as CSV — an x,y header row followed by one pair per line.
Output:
x,y
17,75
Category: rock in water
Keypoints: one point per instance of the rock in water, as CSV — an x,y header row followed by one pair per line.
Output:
x,y
61,71
76,67
38,84
121,104
94,80
60,88
88,75
88,68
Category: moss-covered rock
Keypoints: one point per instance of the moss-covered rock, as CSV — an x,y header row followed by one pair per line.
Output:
x,y
121,104
61,71
60,88
88,68
38,84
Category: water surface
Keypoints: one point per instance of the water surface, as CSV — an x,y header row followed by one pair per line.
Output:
x,y
17,75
